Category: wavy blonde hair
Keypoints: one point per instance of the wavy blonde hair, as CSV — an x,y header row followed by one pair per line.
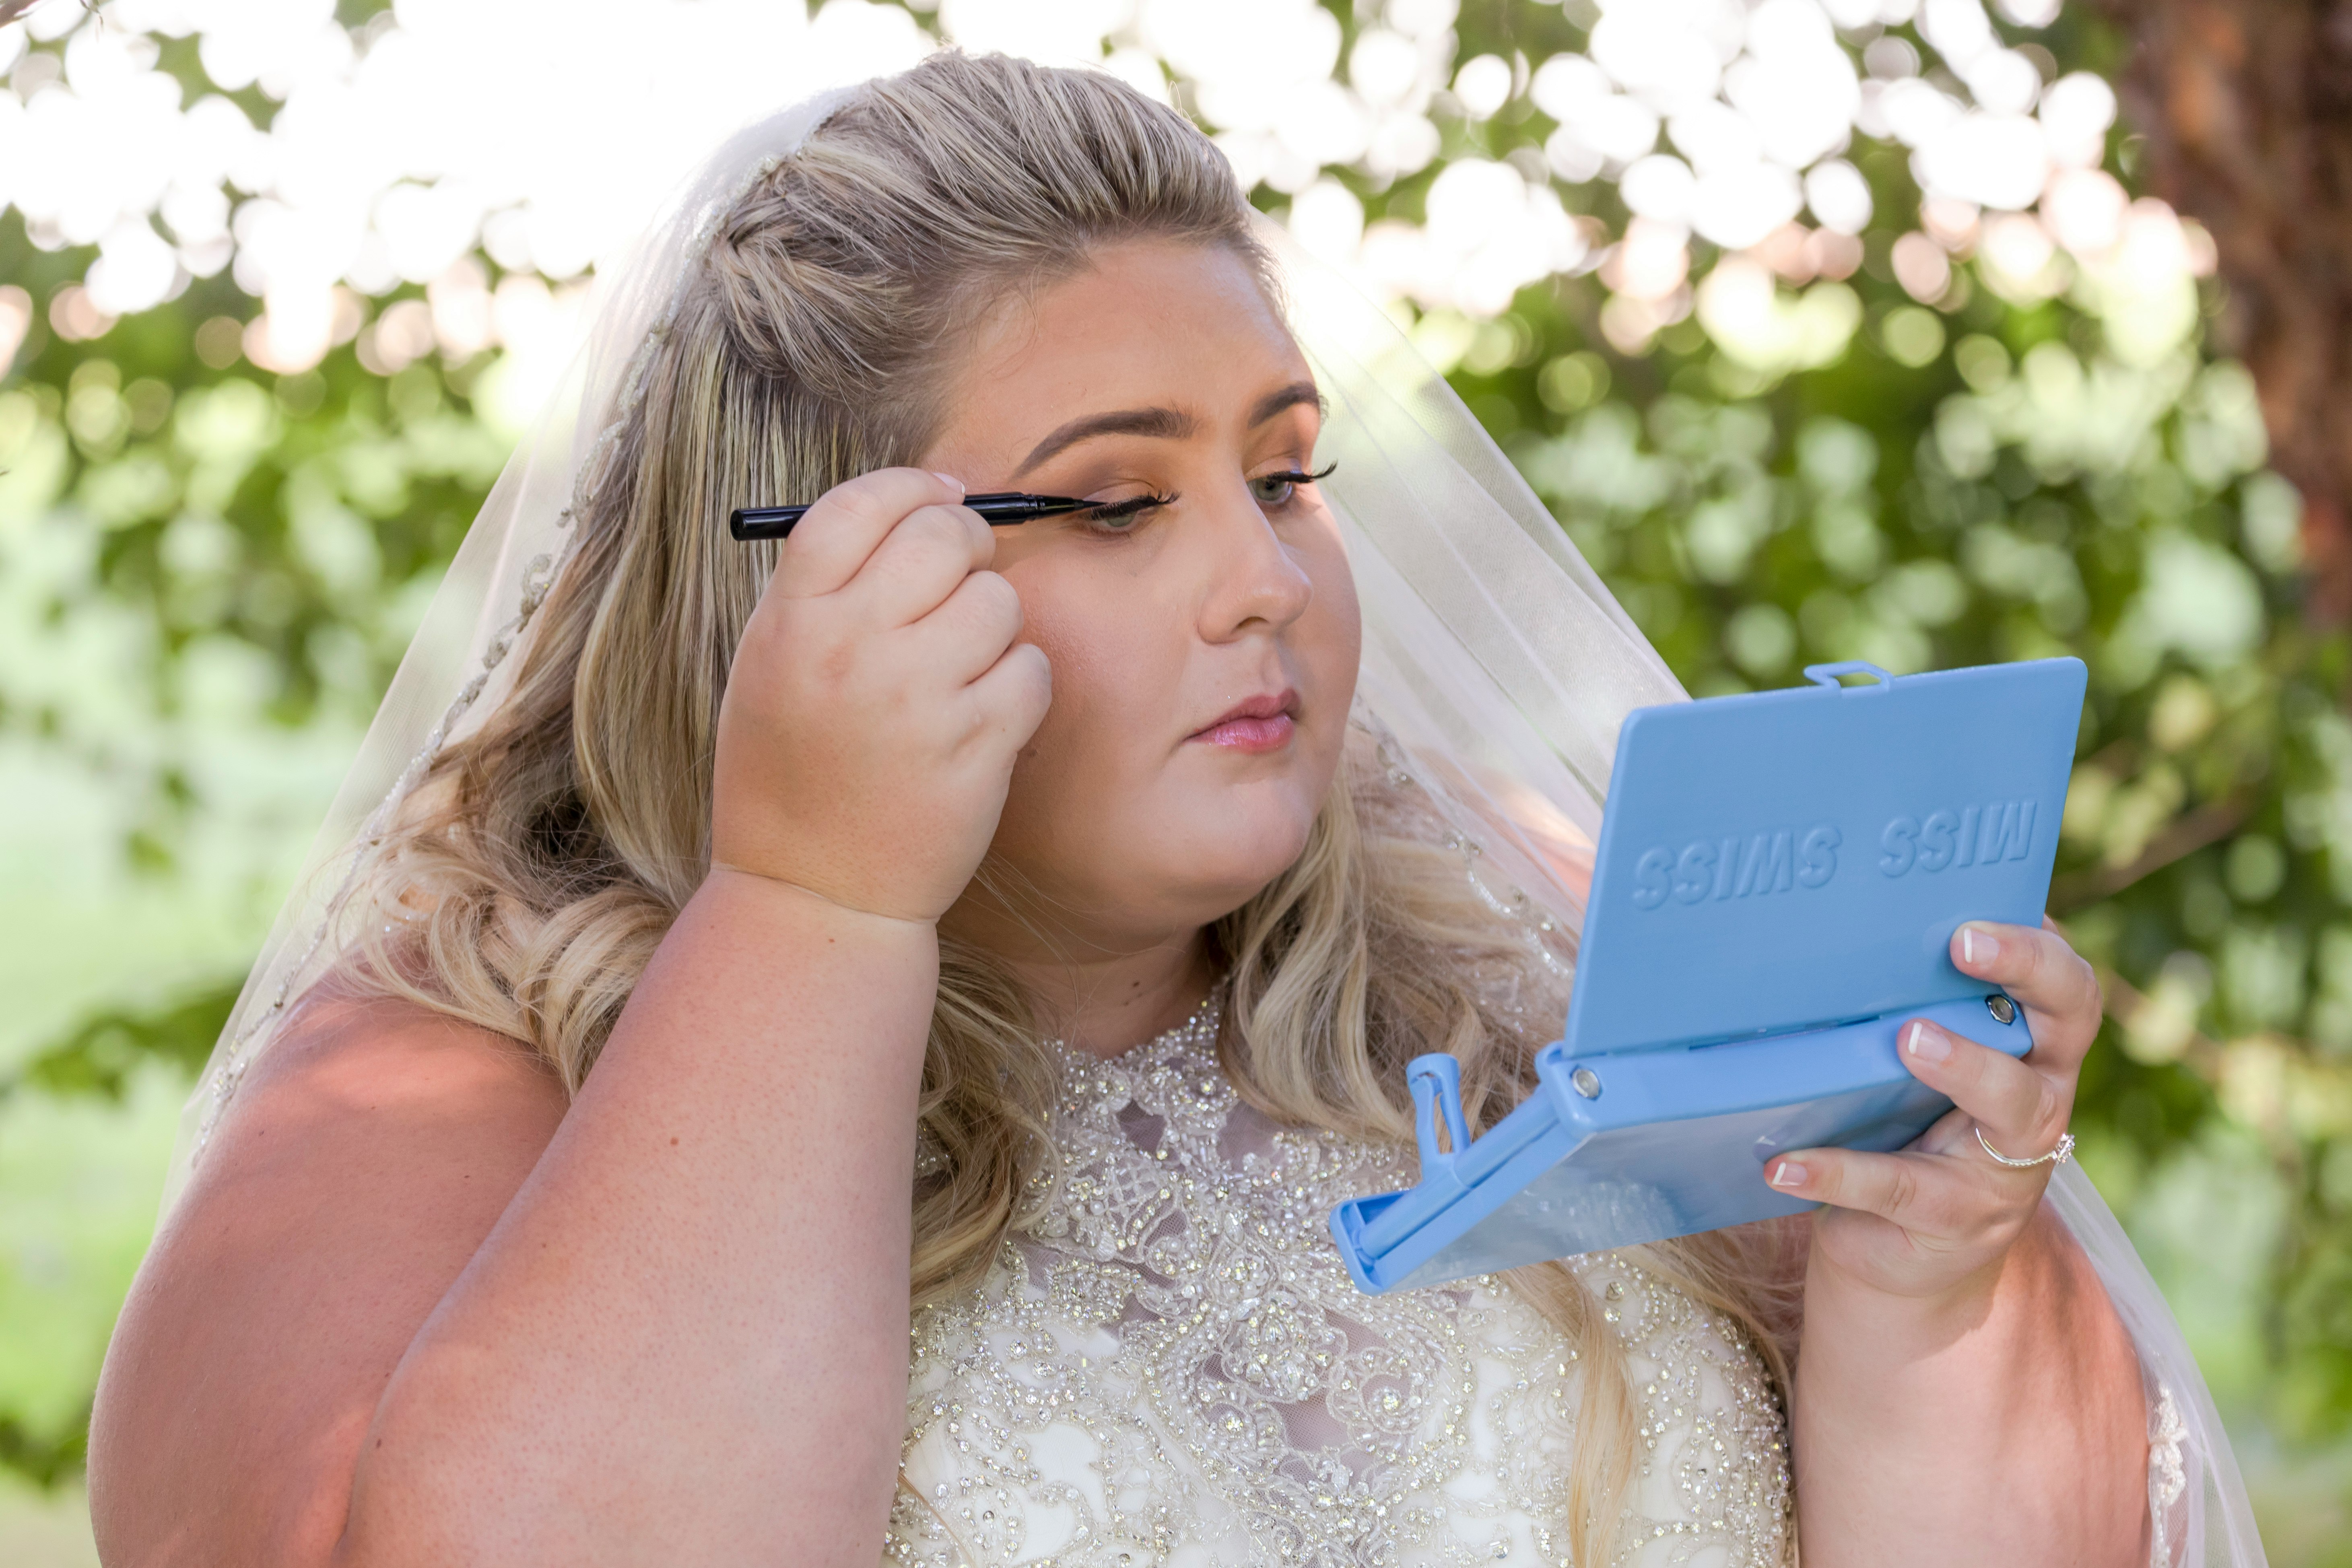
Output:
x,y
545,855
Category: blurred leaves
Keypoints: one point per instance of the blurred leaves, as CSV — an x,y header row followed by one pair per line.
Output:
x,y
43,1459
277,533
1798,467
101,1054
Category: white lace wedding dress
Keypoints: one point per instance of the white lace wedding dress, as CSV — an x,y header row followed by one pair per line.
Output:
x,y
1169,1366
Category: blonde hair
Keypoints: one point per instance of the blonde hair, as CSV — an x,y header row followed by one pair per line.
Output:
x,y
545,855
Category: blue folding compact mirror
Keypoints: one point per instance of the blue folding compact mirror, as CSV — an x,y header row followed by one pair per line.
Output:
x,y
1777,883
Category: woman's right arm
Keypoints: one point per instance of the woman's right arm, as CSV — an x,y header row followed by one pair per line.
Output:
x,y
677,1329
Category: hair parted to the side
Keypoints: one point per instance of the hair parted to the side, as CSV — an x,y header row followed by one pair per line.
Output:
x,y
539,865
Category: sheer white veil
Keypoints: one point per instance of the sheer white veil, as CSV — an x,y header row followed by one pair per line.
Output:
x,y
1495,660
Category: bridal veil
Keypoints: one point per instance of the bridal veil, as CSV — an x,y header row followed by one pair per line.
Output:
x,y
1494,656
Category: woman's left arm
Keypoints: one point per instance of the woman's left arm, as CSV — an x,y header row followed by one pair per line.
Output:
x,y
1964,1394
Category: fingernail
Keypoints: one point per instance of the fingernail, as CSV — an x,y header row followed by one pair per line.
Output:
x,y
950,478
1978,946
1928,1044
1788,1173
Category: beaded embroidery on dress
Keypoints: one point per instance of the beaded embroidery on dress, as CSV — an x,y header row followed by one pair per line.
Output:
x,y
1169,1365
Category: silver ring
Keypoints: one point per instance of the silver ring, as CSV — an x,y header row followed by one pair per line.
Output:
x,y
2058,1156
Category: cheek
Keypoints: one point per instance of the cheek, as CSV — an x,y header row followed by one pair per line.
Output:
x,y
1331,637
1111,661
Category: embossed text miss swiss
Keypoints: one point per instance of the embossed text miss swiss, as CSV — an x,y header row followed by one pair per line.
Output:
x,y
1741,866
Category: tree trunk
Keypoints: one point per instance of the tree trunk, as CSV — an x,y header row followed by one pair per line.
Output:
x,y
2246,105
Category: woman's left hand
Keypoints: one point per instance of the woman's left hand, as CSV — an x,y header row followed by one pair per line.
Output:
x,y
1938,1217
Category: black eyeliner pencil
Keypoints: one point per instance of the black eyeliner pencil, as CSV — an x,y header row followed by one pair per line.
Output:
x,y
999,509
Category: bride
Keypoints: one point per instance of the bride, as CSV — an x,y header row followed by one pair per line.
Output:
x,y
845,1049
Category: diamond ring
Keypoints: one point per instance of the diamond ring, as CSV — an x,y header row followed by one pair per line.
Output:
x,y
2058,1156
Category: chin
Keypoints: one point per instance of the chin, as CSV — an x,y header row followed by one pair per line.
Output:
x,y
1233,855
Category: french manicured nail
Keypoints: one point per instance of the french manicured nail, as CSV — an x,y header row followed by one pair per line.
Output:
x,y
1978,946
950,478
1928,1044
1788,1173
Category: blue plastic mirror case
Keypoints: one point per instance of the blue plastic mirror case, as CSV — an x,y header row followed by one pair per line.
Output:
x,y
1617,1150
1777,882
1783,859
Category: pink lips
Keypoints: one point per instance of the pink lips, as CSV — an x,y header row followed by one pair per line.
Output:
x,y
1260,724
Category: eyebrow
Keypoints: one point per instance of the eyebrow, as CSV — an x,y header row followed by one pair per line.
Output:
x,y
1162,424
1287,397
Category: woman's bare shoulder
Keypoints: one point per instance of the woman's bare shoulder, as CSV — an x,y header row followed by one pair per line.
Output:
x,y
387,1061
368,1152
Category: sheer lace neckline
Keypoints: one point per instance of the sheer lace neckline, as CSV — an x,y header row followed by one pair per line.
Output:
x,y
1196,1036
1168,1363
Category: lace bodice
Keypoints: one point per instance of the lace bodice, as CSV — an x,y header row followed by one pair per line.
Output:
x,y
1169,1365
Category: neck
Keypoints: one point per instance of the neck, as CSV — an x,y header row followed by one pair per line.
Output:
x,y
1097,998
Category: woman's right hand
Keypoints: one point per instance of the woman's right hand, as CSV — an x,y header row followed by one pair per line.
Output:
x,y
531,1318
877,702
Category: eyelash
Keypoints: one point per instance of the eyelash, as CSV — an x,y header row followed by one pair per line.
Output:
x,y
1120,510
1135,505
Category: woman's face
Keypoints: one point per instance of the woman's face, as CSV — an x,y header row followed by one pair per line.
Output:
x,y
1203,645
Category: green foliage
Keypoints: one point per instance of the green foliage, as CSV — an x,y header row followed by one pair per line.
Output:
x,y
102,1055
44,1460
2005,474
304,519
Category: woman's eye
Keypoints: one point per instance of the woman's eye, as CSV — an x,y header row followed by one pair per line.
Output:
x,y
1280,489
1120,517
1274,489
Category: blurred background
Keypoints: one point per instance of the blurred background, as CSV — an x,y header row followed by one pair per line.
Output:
x,y
1897,329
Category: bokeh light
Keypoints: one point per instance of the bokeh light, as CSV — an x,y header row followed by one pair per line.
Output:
x,y
1721,125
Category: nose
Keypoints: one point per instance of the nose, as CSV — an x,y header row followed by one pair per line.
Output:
x,y
1254,581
